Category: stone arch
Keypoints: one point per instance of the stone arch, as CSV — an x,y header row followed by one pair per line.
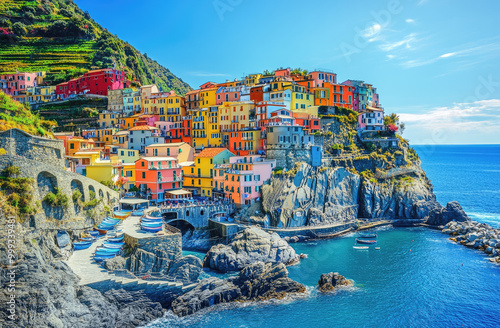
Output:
x,y
77,185
108,197
92,191
101,194
47,182
183,225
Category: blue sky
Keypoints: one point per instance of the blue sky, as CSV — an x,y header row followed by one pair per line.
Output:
x,y
436,63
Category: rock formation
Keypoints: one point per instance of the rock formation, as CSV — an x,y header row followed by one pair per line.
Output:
x,y
312,197
251,245
256,282
476,235
330,281
452,212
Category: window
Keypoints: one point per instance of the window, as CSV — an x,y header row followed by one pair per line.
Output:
x,y
144,175
142,163
72,146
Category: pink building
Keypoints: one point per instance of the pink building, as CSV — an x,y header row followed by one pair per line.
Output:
x,y
227,95
14,84
319,77
245,176
148,120
164,127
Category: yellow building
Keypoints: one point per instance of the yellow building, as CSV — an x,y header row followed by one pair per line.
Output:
x,y
301,98
106,135
126,169
108,119
235,116
120,139
41,94
252,79
146,92
198,177
103,170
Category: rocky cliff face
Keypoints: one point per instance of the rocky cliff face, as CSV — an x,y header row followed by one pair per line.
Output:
x,y
312,197
255,282
328,195
251,245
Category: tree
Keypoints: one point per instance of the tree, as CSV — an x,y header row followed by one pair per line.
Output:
x,y
393,124
19,29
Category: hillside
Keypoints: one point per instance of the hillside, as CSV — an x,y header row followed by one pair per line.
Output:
x,y
15,115
58,37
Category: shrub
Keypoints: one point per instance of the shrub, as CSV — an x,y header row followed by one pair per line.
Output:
x,y
56,200
92,195
19,29
11,171
77,196
337,146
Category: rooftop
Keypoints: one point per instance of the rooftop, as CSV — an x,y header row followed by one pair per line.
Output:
x,y
210,152
173,144
142,127
157,159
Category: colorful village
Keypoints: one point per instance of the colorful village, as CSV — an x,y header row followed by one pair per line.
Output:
x,y
210,143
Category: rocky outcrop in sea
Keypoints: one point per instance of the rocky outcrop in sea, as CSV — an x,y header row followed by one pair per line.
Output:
x,y
255,282
475,235
248,246
328,282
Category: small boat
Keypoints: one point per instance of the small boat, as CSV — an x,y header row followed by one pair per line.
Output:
x,y
152,220
115,240
151,224
62,238
367,235
81,245
94,233
153,216
364,241
113,245
152,229
102,250
360,247
377,247
91,239
121,215
101,231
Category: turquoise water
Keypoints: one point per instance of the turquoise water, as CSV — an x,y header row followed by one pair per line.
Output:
x,y
417,279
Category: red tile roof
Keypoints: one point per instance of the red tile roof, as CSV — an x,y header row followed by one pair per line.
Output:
x,y
210,152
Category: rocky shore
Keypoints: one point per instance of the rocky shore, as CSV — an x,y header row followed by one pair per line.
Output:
x,y
476,235
249,246
256,282
329,282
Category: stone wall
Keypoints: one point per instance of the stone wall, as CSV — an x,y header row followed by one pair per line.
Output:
x,y
46,178
19,143
287,157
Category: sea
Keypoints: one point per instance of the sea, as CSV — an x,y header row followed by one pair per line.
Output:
x,y
418,278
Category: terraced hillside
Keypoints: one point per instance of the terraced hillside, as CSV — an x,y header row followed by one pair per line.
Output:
x,y
57,37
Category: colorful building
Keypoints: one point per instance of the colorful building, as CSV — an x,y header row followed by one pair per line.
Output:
x,y
156,176
97,82
182,151
141,136
244,178
198,177
15,84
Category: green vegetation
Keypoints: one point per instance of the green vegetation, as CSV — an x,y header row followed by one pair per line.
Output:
x,y
392,120
56,200
77,196
92,203
16,193
58,37
15,115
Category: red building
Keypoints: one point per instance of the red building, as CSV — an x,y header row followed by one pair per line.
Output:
x,y
156,176
96,82
181,131
257,93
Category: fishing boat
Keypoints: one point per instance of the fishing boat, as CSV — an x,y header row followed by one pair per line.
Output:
x,y
81,245
365,241
377,247
360,247
367,235
152,229
121,215
62,238
113,245
101,231
91,239
152,217
94,233
152,220
106,251
152,224
115,240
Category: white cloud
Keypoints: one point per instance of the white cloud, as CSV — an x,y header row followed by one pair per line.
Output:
x,y
372,31
410,21
406,42
473,122
449,54
391,56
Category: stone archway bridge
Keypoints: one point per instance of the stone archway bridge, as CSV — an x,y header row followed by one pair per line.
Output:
x,y
195,214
